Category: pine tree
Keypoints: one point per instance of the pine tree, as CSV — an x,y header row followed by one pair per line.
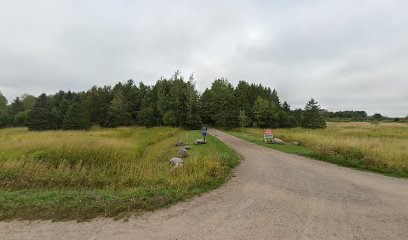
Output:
x,y
41,116
99,100
178,99
3,110
146,117
286,107
118,112
61,102
275,98
312,117
205,109
161,91
245,99
192,116
77,117
16,106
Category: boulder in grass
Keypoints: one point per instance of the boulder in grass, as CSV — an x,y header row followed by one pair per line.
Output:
x,y
182,152
176,161
178,144
295,143
277,141
199,141
187,147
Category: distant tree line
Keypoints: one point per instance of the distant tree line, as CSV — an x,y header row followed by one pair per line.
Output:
x,y
170,102
358,116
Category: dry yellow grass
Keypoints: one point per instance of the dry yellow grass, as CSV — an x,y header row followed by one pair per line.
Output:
x,y
103,172
102,158
383,145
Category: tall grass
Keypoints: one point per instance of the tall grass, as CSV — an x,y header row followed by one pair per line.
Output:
x,y
115,164
380,147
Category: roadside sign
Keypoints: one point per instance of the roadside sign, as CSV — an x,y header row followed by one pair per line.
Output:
x,y
268,135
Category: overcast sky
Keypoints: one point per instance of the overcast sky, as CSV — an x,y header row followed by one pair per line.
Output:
x,y
348,54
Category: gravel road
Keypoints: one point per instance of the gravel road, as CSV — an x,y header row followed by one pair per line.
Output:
x,y
274,195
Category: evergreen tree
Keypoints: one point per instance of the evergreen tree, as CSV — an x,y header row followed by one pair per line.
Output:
x,y
287,117
61,101
245,99
77,117
41,116
146,117
21,118
3,110
161,91
98,102
178,99
312,117
378,117
130,93
275,98
16,113
286,107
118,113
193,120
297,113
205,109
16,106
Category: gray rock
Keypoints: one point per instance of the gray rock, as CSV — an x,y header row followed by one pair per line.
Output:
x,y
277,141
199,141
182,152
295,143
187,147
176,161
178,144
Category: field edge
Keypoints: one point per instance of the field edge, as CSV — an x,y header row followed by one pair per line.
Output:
x,y
305,152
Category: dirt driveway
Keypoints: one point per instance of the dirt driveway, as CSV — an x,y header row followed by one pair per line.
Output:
x,y
273,196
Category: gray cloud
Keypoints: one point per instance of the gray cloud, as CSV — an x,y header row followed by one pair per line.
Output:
x,y
347,54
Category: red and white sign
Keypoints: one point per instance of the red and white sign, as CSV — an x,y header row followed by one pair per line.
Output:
x,y
268,132
268,135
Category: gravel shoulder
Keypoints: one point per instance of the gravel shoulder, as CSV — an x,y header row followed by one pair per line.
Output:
x,y
274,195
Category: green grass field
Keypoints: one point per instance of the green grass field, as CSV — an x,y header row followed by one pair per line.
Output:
x,y
103,172
379,147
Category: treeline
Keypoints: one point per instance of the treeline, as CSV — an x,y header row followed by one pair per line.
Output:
x,y
170,102
355,115
252,105
358,116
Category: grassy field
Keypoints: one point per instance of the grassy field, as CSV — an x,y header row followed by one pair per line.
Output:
x,y
379,147
103,172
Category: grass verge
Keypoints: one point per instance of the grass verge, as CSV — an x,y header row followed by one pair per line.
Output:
x,y
68,180
377,148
